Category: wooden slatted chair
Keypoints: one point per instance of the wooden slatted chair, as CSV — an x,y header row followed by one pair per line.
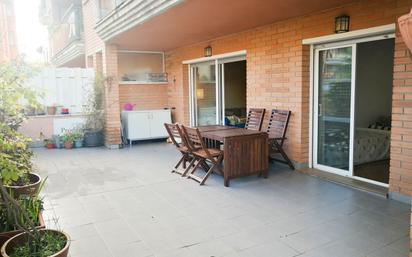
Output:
x,y
202,155
254,119
277,127
176,133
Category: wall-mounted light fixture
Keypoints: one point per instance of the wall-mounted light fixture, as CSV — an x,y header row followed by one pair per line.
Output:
x,y
342,24
208,51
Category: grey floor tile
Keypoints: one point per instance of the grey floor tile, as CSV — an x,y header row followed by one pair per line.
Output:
x,y
127,203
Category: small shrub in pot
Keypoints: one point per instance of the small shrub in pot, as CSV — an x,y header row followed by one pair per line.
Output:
x,y
94,109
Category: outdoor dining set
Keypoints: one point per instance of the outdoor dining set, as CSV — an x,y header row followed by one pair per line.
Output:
x,y
242,151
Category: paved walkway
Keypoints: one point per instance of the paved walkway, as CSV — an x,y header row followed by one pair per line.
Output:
x,y
127,203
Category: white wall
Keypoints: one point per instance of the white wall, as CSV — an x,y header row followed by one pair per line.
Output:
x,y
374,76
64,86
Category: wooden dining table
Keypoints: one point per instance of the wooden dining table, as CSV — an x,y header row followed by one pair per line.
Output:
x,y
245,151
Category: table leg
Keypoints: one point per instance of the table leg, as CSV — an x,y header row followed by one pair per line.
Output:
x,y
226,182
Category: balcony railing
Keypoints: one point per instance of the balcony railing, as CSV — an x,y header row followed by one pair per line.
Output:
x,y
121,15
69,30
67,38
106,6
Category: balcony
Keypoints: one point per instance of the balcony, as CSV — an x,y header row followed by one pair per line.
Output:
x,y
67,43
118,16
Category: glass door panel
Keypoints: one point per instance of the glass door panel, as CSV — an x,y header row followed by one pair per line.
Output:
x,y
204,91
334,108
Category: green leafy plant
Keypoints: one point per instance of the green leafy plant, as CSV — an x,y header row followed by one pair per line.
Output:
x,y
48,141
68,136
32,204
38,243
15,157
16,95
48,244
94,107
78,133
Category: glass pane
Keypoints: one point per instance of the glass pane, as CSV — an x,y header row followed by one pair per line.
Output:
x,y
205,93
139,66
335,81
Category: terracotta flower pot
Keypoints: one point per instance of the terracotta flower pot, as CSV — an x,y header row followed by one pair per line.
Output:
x,y
68,144
30,189
4,236
19,239
51,110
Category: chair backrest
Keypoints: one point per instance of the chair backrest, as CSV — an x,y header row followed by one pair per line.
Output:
x,y
278,124
193,138
255,119
174,132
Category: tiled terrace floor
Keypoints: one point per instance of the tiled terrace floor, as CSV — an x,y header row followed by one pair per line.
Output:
x,y
126,203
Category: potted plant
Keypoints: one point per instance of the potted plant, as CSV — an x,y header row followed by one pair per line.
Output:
x,y
48,143
57,141
45,242
94,109
78,139
32,204
32,242
16,169
51,110
68,139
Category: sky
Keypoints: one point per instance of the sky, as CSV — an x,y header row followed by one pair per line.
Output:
x,y
31,34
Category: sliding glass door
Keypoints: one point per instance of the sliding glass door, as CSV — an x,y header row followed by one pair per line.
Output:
x,y
207,90
204,90
334,109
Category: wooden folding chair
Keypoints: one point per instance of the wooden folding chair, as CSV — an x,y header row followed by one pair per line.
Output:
x,y
277,127
175,133
254,119
202,155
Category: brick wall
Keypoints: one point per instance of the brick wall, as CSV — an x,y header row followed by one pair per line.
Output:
x,y
8,35
112,110
93,43
144,96
278,63
401,136
103,57
277,75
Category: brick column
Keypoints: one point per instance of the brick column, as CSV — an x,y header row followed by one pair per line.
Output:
x,y
400,182
112,130
98,62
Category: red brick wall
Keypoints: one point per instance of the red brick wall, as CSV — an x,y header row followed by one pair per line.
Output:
x,y
144,96
401,137
112,110
93,43
278,63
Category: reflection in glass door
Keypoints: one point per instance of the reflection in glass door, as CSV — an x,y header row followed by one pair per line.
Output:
x,y
204,93
334,93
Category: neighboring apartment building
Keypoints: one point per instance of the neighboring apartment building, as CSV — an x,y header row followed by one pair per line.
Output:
x,y
65,25
8,36
210,59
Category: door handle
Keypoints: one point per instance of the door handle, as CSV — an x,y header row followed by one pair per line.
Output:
x,y
320,110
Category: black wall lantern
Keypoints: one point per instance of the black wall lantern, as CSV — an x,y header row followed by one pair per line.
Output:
x,y
342,24
208,51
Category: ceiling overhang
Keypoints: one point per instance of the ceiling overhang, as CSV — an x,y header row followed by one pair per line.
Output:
x,y
168,24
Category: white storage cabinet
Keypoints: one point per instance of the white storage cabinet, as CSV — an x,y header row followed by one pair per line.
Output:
x,y
146,124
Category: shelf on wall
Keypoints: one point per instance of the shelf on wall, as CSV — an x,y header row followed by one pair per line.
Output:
x,y
132,82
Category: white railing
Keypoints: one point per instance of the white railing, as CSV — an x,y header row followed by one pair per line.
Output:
x,y
130,13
